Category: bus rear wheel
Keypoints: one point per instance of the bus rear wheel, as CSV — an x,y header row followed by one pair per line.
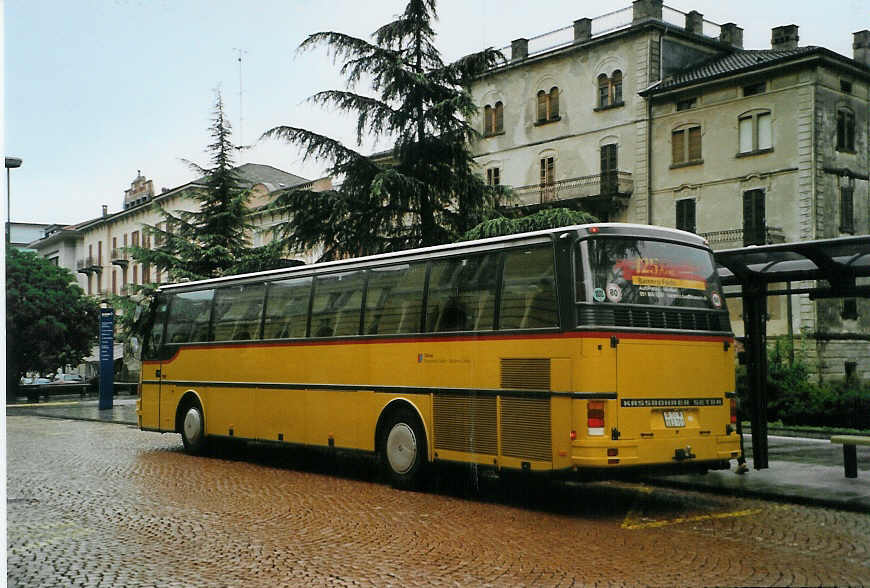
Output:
x,y
403,450
193,428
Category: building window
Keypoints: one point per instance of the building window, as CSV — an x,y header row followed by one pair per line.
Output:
x,y
850,309
548,188
846,86
753,89
146,273
493,119
756,133
135,274
609,167
99,283
493,176
114,282
686,215
90,287
610,90
845,130
686,146
847,210
687,104
754,224
548,105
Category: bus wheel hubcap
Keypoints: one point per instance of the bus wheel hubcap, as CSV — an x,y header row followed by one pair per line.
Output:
x,y
401,448
192,425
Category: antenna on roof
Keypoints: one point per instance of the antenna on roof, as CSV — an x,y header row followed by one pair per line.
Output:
x,y
239,53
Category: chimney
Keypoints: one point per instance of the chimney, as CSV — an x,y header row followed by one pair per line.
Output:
x,y
582,30
644,9
519,49
695,23
784,37
732,34
861,47
105,210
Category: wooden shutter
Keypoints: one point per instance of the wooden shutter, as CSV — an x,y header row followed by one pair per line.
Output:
x,y
686,215
753,218
554,103
542,106
608,168
603,91
499,117
487,120
694,143
677,148
616,83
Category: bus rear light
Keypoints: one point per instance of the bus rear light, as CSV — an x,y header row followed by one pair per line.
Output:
x,y
733,411
612,451
573,435
595,417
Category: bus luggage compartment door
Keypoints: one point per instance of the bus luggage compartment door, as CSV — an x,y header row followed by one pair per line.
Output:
x,y
671,388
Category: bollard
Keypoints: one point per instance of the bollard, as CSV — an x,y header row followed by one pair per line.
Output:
x,y
850,459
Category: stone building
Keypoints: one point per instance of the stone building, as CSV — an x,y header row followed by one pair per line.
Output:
x,y
651,115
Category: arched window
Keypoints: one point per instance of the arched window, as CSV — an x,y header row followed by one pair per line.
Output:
x,y
610,90
548,105
493,119
554,103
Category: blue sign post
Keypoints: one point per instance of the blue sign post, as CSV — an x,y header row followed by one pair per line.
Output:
x,y
107,357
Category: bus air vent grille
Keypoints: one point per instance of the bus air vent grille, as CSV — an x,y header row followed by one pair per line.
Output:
x,y
683,319
526,373
525,428
466,423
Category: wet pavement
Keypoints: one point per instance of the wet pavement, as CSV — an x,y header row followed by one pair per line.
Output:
x,y
91,504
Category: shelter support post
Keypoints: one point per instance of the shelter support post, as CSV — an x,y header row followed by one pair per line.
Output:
x,y
755,307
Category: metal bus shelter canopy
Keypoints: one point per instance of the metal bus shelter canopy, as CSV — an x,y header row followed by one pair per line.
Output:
x,y
839,262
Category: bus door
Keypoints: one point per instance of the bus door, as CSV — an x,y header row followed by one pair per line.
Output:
x,y
153,375
665,386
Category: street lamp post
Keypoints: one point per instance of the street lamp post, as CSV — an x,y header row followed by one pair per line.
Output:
x,y
11,162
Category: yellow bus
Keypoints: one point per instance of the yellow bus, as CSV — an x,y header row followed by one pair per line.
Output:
x,y
587,350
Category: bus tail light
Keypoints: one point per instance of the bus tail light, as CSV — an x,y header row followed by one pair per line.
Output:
x,y
733,411
595,417
573,435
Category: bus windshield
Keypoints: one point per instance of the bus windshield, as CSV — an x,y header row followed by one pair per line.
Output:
x,y
628,270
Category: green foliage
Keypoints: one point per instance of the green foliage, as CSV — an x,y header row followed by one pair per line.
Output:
x,y
49,321
212,241
426,190
796,399
549,218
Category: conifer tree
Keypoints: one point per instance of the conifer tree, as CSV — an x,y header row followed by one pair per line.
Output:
x,y
425,190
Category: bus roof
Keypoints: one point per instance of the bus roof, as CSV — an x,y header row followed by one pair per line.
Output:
x,y
625,229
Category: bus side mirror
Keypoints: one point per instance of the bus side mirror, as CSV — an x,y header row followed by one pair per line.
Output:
x,y
135,346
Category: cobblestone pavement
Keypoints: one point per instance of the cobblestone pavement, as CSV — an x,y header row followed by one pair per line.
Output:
x,y
103,504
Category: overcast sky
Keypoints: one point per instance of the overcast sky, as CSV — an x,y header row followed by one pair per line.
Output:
x,y
98,89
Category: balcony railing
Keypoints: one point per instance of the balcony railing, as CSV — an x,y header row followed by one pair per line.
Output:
x,y
88,264
733,238
119,256
609,184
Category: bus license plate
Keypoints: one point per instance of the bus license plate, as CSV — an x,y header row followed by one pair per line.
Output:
x,y
674,418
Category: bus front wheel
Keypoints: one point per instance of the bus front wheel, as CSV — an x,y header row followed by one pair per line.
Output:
x,y
193,428
403,449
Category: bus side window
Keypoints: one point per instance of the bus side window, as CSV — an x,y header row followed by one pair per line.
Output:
x,y
528,296
462,294
189,317
337,304
155,338
237,311
287,308
394,298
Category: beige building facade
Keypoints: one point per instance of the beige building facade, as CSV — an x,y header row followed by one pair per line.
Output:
x,y
96,249
651,115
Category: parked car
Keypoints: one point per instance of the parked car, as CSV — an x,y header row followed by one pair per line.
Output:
x,y
68,379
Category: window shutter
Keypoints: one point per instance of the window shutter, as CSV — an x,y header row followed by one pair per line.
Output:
x,y
603,91
487,120
554,103
745,135
616,82
841,129
542,106
765,131
753,217
694,143
677,147
499,117
850,131
847,214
